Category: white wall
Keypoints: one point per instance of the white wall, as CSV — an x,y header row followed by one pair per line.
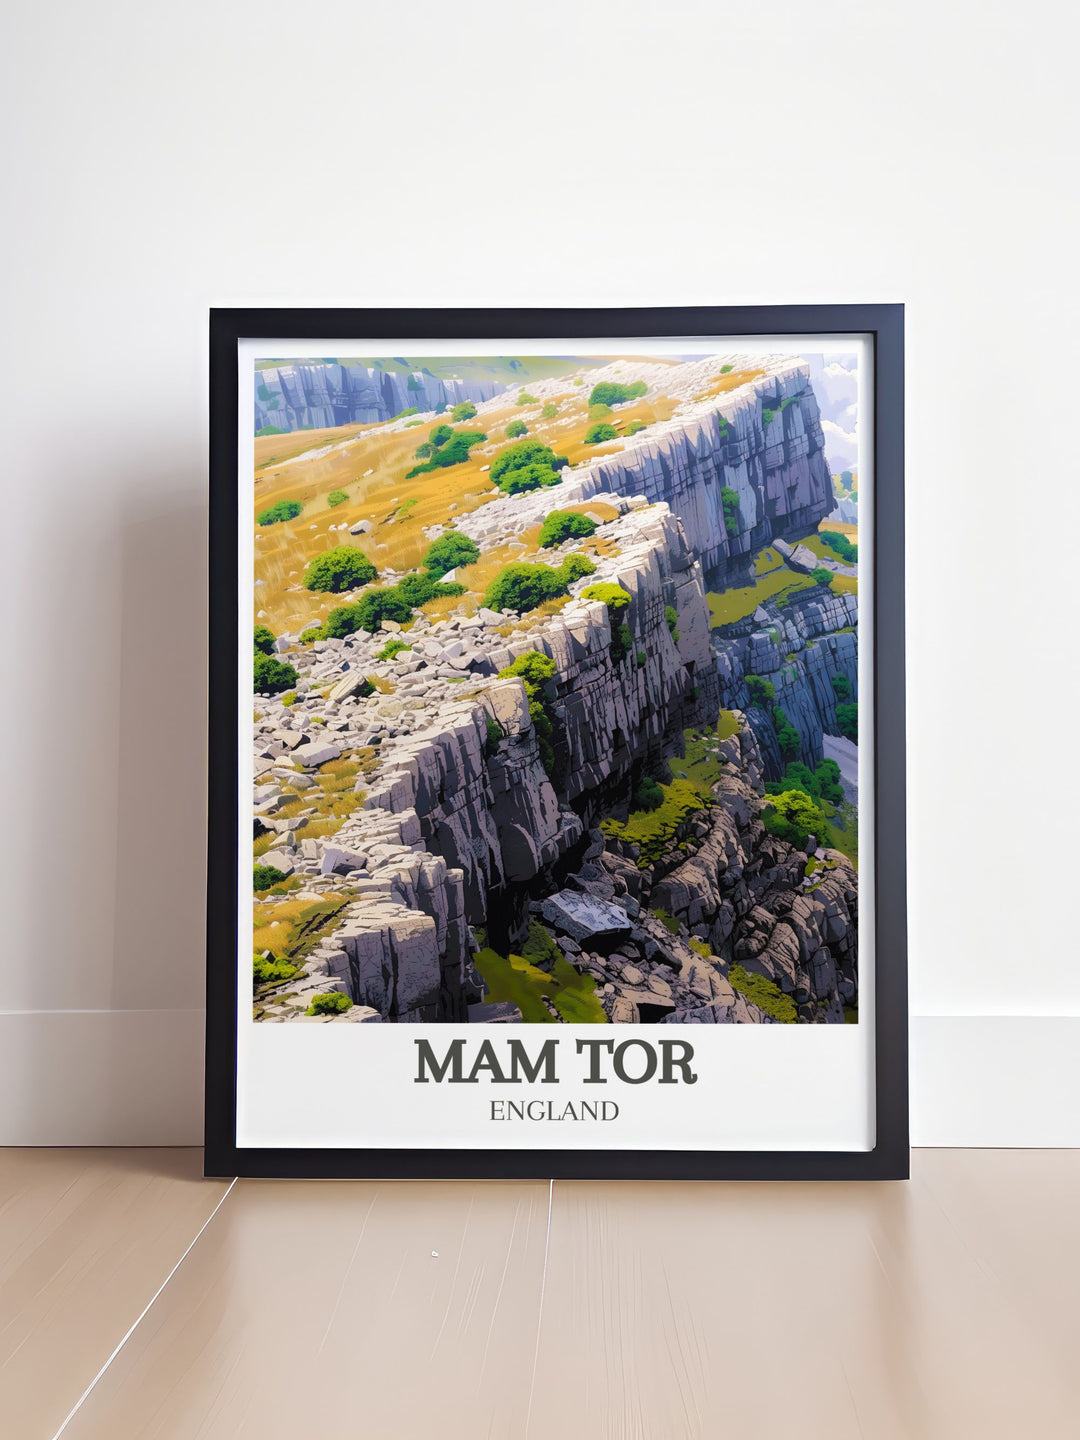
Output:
x,y
167,158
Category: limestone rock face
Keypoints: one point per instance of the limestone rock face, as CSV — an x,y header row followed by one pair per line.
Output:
x,y
290,397
797,648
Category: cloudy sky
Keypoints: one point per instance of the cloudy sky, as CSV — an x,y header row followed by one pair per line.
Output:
x,y
836,384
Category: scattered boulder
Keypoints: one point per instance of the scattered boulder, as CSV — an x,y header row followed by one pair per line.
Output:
x,y
583,917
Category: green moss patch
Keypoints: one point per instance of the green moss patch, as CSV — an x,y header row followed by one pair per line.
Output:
x,y
512,978
764,994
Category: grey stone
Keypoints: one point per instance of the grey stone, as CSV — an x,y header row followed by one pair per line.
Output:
x,y
584,918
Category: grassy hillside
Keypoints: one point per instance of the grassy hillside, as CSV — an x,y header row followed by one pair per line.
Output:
x,y
369,464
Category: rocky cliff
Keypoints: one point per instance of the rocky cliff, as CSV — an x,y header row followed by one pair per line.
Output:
x,y
462,825
298,397
763,441
798,647
460,817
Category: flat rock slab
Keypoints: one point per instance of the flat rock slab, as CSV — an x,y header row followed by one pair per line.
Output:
x,y
583,918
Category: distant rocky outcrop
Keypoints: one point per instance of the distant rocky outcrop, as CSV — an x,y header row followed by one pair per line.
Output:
x,y
311,397
797,646
763,441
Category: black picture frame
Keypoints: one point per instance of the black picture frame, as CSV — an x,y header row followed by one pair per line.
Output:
x,y
889,1159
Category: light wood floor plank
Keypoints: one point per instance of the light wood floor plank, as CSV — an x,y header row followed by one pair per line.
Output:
x,y
340,1311
86,1238
830,1312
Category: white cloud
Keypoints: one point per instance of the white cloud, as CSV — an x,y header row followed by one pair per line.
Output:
x,y
841,446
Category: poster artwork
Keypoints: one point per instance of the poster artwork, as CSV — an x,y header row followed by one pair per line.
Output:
x,y
556,690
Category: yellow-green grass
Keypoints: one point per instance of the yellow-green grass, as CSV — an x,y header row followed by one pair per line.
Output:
x,y
333,797
725,383
701,769
398,509
732,605
844,528
290,928
513,979
654,830
727,725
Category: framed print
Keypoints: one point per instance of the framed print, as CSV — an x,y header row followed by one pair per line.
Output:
x,y
557,744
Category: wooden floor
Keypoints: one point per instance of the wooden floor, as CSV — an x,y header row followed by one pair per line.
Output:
x,y
138,1300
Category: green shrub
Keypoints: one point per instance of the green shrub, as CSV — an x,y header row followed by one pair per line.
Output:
x,y
264,640
616,599
266,875
841,686
515,429
671,615
847,717
841,545
641,657
382,603
526,399
266,970
465,411
787,737
767,416
762,691
574,567
608,392
793,815
337,497
726,369
494,735
419,588
397,602
549,411
401,414
424,451
342,621
449,551
343,568
648,795
561,525
272,676
634,426
611,595
393,647
820,576
283,510
820,784
270,430
440,435
520,456
597,434
312,633
827,776
329,1004
763,993
453,451
534,671
522,587
529,477
729,499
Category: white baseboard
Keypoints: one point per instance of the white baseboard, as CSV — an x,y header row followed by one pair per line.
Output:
x,y
134,1077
